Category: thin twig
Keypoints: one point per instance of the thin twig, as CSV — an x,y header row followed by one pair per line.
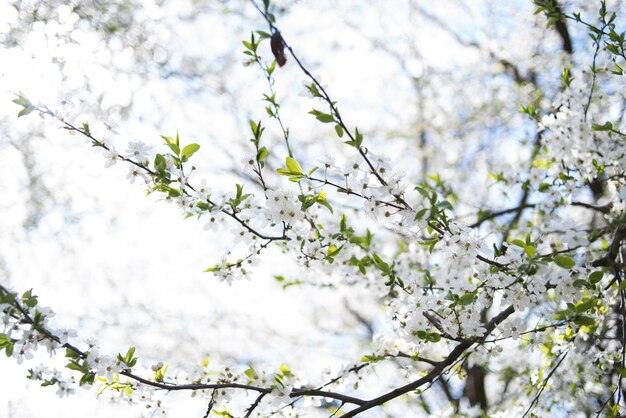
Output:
x,y
211,404
254,405
544,384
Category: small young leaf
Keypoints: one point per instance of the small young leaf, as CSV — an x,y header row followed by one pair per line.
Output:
x,y
26,105
189,150
172,143
607,126
263,35
251,374
261,154
160,164
325,118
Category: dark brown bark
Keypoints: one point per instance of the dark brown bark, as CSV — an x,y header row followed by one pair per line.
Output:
x,y
474,389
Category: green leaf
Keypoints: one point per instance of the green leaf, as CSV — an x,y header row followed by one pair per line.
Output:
x,y
284,370
251,374
584,321
29,299
444,204
566,77
85,127
74,365
129,358
595,277
371,358
256,128
22,100
307,201
189,150
529,110
423,192
313,90
325,204
530,250
580,283
543,163
160,164
159,374
7,297
527,245
564,261
263,35
26,105
519,243
293,166
261,154
223,413
87,379
378,262
585,305
25,111
358,138
467,298
271,68
544,187
339,130
69,353
295,177
172,143
130,353
9,350
605,127
325,118
332,250
322,117
420,213
7,344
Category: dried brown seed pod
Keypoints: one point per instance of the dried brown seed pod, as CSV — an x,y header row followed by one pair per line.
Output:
x,y
278,48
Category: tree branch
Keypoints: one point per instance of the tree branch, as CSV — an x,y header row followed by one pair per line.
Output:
x,y
179,387
495,214
333,106
435,371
